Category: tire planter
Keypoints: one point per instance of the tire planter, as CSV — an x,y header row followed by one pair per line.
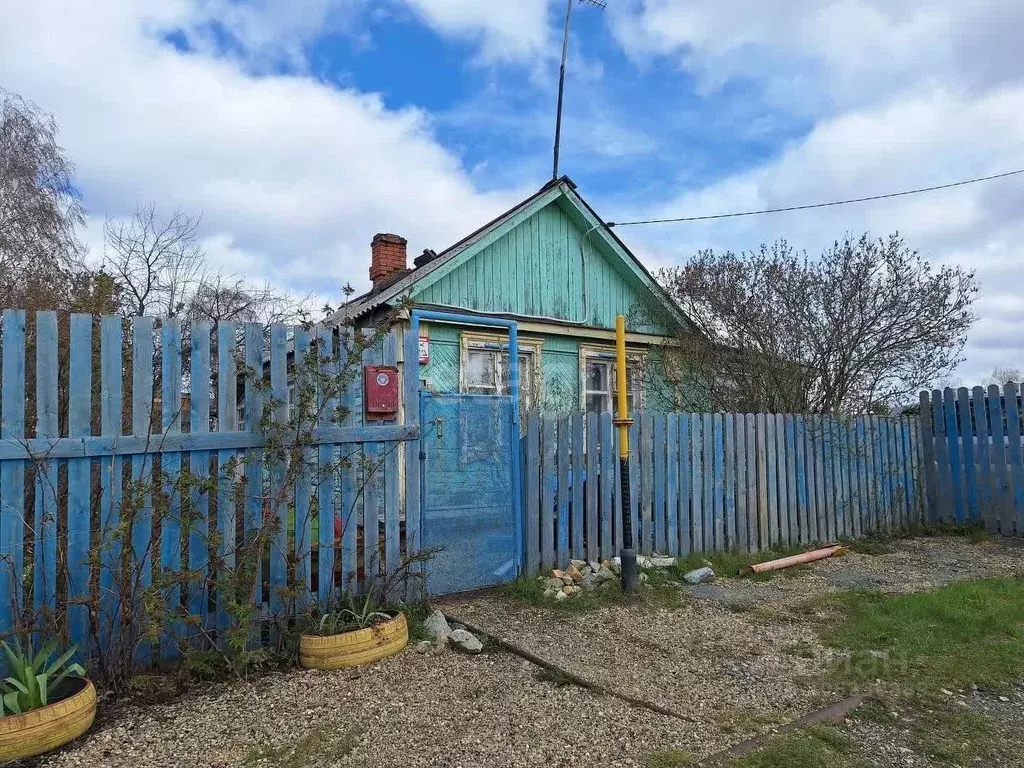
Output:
x,y
356,648
49,727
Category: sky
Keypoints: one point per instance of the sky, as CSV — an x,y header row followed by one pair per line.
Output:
x,y
300,129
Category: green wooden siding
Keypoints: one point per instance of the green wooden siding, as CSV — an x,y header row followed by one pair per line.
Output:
x,y
545,267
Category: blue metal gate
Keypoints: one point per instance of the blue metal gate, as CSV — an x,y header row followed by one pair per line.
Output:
x,y
469,501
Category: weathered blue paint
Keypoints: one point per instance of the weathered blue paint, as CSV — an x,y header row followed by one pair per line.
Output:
x,y
740,542
252,510
718,483
982,459
697,482
672,481
607,481
800,467
12,473
1013,436
1001,495
533,482
199,466
545,266
109,468
227,415
592,482
302,549
392,482
142,465
792,502
773,483
685,473
45,598
563,490
548,487
730,481
658,423
79,490
170,469
578,471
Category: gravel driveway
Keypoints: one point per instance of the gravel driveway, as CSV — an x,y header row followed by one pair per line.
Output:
x,y
737,659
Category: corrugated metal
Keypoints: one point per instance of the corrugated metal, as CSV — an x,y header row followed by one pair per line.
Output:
x,y
545,267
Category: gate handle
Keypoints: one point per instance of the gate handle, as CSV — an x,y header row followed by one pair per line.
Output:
x,y
439,428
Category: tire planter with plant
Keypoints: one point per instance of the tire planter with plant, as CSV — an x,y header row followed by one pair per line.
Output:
x,y
44,704
353,637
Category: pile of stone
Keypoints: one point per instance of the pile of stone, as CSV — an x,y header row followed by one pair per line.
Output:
x,y
442,634
579,576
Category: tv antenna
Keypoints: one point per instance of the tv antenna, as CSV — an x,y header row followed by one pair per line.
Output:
x,y
602,4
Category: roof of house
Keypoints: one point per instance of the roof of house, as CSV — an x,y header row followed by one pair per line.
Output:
x,y
403,283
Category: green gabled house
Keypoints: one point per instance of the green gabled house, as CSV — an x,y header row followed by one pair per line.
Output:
x,y
551,264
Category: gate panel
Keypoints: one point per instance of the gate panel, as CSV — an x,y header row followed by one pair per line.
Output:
x,y
468,505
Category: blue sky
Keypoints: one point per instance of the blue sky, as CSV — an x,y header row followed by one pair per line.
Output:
x,y
300,129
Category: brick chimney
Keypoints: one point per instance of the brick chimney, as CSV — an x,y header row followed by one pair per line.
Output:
x,y
388,257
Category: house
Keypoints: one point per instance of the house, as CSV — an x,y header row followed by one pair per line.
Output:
x,y
551,264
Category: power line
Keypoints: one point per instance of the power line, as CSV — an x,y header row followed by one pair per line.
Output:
x,y
815,205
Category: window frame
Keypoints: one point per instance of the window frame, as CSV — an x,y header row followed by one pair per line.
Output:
x,y
605,354
474,341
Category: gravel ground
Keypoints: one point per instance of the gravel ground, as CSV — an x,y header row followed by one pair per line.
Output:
x,y
738,659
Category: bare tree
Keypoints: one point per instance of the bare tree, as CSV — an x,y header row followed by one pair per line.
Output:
x,y
859,329
1001,376
158,262
40,210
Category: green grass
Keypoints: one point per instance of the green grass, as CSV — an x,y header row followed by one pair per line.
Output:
x,y
818,746
964,633
321,746
671,758
869,545
974,532
415,615
730,563
936,727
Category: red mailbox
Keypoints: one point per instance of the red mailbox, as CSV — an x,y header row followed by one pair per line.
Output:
x,y
380,390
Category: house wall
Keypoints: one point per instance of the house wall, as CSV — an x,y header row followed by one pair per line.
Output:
x,y
547,267
559,383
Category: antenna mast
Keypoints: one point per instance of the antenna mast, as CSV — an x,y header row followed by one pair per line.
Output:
x,y
561,75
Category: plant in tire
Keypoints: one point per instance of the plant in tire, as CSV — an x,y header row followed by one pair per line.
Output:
x,y
35,676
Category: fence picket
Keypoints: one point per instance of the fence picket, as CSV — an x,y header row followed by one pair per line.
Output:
x,y
645,534
392,480
685,473
763,514
197,599
45,597
634,490
963,412
592,488
751,536
79,491
730,481
782,484
1016,475
547,493
302,548
982,459
1004,500
532,503
170,469
562,501
12,473
658,496
227,421
771,454
672,485
607,456
143,350
718,482
708,456
740,542
578,512
697,482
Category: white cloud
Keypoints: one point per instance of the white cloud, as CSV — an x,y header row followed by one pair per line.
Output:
x,y
292,176
514,31
902,94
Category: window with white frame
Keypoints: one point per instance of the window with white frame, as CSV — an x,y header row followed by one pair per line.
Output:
x,y
600,382
486,369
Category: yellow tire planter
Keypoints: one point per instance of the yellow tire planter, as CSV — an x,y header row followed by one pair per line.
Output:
x,y
49,727
356,648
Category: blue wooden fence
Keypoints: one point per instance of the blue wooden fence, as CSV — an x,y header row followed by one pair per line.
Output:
x,y
972,448
113,401
713,481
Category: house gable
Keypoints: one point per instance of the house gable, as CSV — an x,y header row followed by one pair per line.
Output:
x,y
553,260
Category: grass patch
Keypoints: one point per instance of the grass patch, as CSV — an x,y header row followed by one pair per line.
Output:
x,y
554,676
818,746
415,615
963,633
671,758
730,563
937,727
655,594
973,532
319,746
